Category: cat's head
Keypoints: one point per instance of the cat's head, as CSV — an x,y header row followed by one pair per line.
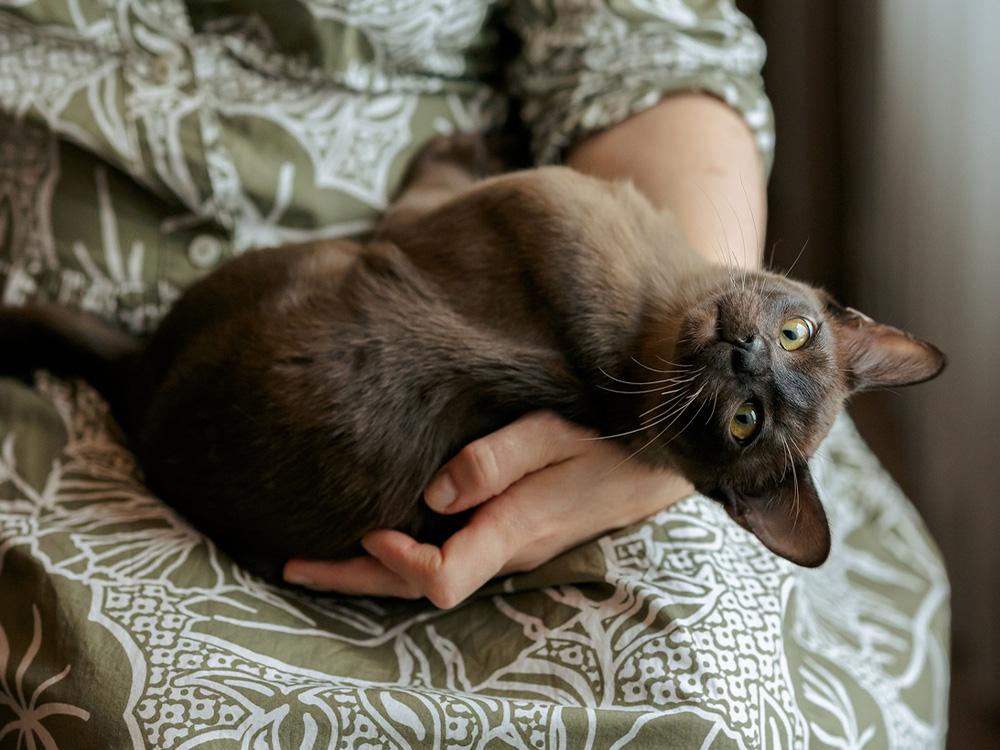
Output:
x,y
746,381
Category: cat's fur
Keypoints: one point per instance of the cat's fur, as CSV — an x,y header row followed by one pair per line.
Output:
x,y
299,397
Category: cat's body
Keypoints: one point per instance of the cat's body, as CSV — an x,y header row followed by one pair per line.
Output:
x,y
299,397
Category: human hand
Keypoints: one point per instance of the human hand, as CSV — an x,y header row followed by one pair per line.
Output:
x,y
542,486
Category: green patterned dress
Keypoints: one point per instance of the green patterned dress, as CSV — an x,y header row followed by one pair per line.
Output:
x,y
142,142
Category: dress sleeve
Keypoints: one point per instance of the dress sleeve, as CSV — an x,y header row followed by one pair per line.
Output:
x,y
585,65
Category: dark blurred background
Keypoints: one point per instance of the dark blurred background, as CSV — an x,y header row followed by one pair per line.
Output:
x,y
888,164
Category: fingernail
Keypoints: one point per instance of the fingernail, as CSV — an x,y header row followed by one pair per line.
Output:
x,y
300,579
441,493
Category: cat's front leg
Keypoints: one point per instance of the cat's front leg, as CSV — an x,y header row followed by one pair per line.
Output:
x,y
444,168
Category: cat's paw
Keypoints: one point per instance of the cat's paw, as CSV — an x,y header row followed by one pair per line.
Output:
x,y
466,151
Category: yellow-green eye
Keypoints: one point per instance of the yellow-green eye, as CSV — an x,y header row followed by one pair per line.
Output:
x,y
795,332
744,423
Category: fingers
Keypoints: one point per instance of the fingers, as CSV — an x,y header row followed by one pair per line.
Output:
x,y
450,574
364,576
488,466
400,566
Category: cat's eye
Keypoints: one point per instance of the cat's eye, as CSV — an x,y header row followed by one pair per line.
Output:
x,y
745,422
795,333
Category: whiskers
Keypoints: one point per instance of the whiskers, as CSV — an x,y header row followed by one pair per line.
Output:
x,y
681,390
739,267
677,376
657,384
676,415
727,257
675,367
796,501
676,390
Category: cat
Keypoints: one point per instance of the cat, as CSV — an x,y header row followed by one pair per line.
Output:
x,y
298,397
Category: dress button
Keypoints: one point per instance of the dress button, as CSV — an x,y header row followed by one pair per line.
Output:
x,y
161,67
205,251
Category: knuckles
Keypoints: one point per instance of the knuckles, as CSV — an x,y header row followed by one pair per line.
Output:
x,y
435,580
557,425
443,594
409,591
479,461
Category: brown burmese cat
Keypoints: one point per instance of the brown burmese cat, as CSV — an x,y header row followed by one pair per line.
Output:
x,y
301,396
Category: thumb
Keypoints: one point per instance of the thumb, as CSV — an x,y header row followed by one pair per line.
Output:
x,y
488,466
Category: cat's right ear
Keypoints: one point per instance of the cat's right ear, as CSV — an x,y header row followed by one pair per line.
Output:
x,y
876,355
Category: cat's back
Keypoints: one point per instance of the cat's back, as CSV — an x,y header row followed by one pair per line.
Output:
x,y
279,384
257,279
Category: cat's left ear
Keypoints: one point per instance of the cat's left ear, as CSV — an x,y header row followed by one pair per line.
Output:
x,y
786,516
877,355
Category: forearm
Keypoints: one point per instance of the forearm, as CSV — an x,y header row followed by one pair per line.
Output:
x,y
695,156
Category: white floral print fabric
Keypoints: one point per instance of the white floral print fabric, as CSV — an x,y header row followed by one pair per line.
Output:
x,y
143,142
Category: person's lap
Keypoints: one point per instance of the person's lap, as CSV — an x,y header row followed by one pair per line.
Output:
x,y
681,626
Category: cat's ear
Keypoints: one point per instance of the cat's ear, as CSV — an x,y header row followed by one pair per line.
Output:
x,y
877,355
787,517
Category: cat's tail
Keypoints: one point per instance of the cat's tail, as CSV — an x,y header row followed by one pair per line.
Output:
x,y
67,343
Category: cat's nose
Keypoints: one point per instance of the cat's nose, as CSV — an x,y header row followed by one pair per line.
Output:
x,y
749,355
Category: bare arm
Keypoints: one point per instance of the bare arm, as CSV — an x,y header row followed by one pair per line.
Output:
x,y
694,155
